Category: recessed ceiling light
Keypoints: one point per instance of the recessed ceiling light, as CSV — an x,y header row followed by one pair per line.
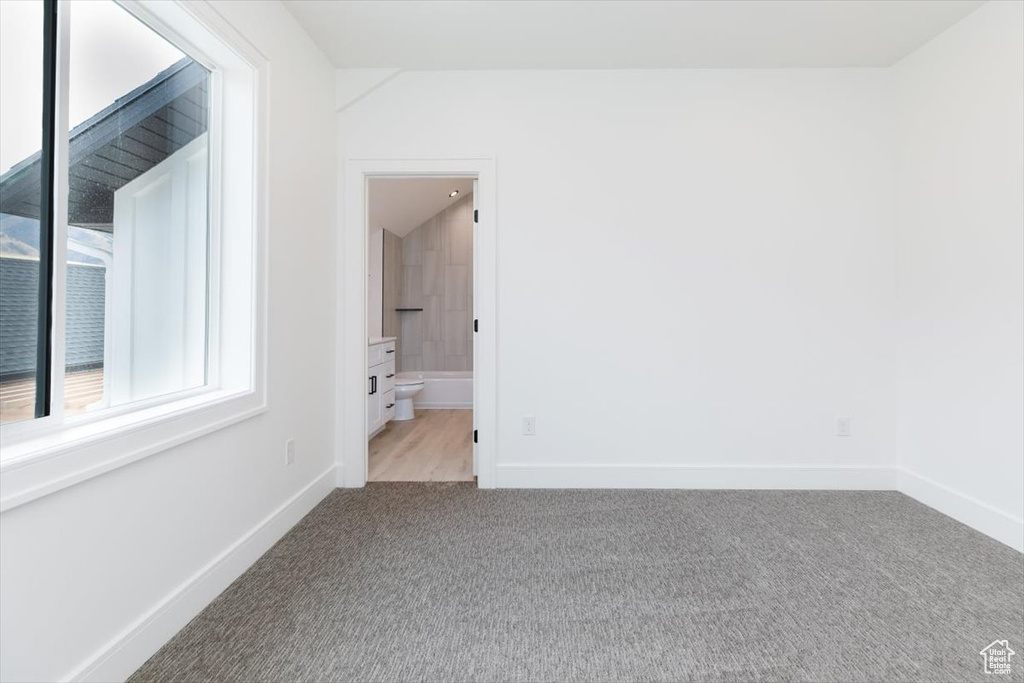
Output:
x,y
453,193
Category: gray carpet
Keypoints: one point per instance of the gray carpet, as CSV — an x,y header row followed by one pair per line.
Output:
x,y
444,582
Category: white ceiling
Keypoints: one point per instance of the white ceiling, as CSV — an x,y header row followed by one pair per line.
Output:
x,y
400,205
623,34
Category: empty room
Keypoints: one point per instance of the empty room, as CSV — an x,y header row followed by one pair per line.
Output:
x,y
483,340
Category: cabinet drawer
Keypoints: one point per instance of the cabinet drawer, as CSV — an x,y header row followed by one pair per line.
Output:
x,y
388,350
389,405
375,355
387,377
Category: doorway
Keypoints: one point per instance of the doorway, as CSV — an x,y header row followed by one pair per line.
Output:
x,y
420,328
352,309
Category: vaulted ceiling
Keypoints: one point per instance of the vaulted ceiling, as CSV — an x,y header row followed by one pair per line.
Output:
x,y
400,205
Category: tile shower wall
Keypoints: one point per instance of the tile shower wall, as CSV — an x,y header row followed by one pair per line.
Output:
x,y
392,283
437,276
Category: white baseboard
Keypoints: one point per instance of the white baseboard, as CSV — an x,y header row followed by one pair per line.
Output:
x,y
976,514
119,658
852,477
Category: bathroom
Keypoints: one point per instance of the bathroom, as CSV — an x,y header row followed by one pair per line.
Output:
x,y
420,326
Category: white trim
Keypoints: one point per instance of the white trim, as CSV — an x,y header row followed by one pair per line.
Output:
x,y
39,456
127,651
84,453
350,435
835,478
976,514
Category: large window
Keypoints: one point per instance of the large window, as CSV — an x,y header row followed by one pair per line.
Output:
x,y
104,212
132,193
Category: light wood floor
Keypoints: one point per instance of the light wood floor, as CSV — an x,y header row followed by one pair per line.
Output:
x,y
436,446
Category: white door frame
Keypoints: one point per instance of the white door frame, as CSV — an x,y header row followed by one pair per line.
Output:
x,y
351,332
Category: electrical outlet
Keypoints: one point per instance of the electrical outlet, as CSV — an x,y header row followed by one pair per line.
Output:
x,y
289,451
529,426
842,426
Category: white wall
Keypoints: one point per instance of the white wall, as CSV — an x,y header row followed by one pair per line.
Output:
x,y
961,270
83,567
695,268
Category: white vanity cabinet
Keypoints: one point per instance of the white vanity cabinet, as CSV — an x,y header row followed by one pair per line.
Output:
x,y
380,385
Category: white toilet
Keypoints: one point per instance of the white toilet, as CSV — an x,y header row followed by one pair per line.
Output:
x,y
407,385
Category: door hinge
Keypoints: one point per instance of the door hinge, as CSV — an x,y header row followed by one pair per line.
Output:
x,y
476,215
474,436
476,324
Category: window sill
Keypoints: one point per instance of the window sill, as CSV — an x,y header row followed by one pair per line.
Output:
x,y
44,464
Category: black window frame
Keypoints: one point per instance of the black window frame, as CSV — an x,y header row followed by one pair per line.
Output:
x,y
44,329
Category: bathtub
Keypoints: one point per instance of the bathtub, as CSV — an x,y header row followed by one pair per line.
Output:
x,y
443,389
